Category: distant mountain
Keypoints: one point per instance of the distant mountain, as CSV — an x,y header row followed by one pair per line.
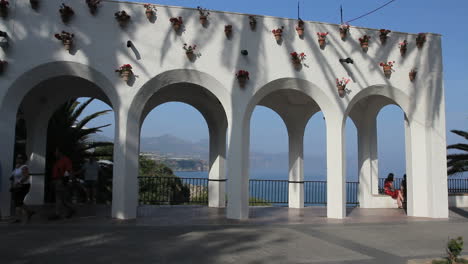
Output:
x,y
174,146
99,137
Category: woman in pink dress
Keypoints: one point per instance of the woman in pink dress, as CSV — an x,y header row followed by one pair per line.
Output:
x,y
390,190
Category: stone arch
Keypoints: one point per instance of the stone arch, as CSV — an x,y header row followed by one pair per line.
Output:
x,y
305,87
30,79
204,93
175,77
295,101
363,110
47,80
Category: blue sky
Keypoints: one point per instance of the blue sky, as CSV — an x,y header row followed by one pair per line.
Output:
x,y
268,133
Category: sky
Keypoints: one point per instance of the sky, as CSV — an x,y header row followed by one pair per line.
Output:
x,y
268,133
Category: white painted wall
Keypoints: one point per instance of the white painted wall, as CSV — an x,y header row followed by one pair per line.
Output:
x,y
159,61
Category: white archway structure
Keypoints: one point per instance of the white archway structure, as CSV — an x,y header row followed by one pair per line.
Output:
x,y
39,92
163,73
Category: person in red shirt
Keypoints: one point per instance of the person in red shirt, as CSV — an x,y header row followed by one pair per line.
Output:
x,y
61,172
390,190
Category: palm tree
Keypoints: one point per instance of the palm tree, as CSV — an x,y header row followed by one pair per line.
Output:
x,y
72,135
458,162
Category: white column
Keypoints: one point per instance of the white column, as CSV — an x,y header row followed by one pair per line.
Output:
x,y
336,185
217,173
367,160
296,168
7,141
126,153
427,177
237,168
36,148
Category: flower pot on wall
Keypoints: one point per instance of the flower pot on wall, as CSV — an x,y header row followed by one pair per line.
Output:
x,y
125,74
341,90
403,50
387,71
67,44
412,75
343,34
242,81
203,20
321,42
383,39
300,31
278,36
149,14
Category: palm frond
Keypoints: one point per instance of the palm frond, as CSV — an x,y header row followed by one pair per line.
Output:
x,y
78,111
88,118
459,146
460,133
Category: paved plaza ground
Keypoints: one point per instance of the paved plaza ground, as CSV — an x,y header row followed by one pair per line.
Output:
x,y
203,235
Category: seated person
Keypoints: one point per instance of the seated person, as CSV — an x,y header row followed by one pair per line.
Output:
x,y
390,190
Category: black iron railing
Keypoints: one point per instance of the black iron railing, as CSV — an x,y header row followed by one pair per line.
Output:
x,y
315,192
276,192
266,192
457,186
173,190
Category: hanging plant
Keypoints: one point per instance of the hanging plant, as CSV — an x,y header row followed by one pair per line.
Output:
x,y
344,29
252,22
278,33
190,51
387,68
34,4
322,38
3,65
341,86
300,28
420,39
176,23
4,8
242,77
364,42
66,38
384,35
204,13
66,13
297,59
412,74
228,30
125,72
93,5
403,47
122,17
150,10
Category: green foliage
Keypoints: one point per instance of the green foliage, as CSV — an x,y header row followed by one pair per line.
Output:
x,y
159,185
454,249
458,163
258,202
69,133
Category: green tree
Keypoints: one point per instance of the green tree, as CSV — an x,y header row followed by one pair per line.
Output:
x,y
159,185
458,162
